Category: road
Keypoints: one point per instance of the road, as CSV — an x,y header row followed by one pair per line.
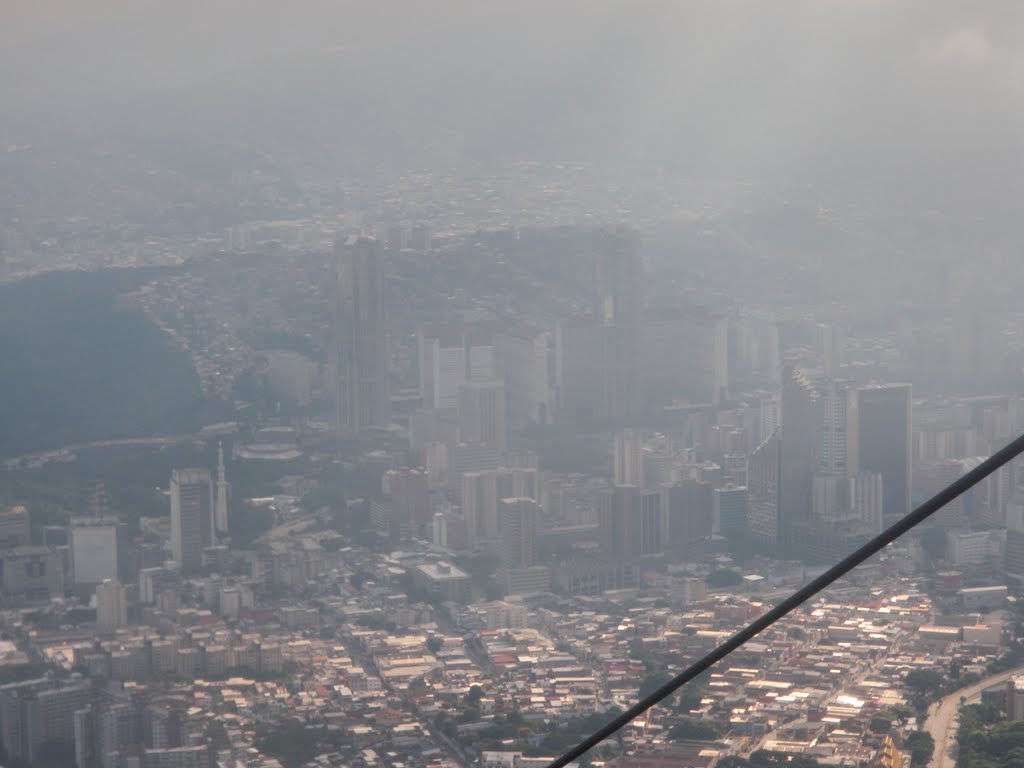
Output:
x,y
942,717
152,441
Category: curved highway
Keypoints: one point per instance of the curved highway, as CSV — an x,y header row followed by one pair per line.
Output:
x,y
942,717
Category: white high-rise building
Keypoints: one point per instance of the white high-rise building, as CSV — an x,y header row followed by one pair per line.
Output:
x,y
522,361
111,605
95,545
629,458
866,499
449,356
479,503
223,493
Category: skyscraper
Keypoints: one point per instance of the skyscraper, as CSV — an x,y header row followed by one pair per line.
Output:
x,y
684,353
579,360
653,522
618,521
617,305
98,548
111,605
689,509
629,458
521,359
482,412
800,437
518,522
763,480
879,439
223,492
192,513
730,509
362,398
448,355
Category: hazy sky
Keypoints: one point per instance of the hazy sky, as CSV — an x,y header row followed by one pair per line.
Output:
x,y
858,85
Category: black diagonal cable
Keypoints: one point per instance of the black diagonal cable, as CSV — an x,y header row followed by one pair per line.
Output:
x,y
813,587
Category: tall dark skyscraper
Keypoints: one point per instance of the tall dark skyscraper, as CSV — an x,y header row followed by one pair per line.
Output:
x,y
800,438
689,507
618,517
617,305
763,480
879,439
362,397
192,517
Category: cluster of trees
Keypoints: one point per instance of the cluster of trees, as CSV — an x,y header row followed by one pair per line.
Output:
x,y
532,738
986,740
76,366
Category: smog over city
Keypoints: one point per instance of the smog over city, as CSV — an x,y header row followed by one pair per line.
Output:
x,y
425,384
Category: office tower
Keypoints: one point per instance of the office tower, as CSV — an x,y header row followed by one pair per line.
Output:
x,y
31,574
36,712
832,448
223,493
448,356
518,524
879,440
111,605
617,306
98,549
482,412
769,418
521,360
525,482
191,517
684,353
734,469
479,501
864,499
405,510
474,457
730,512
103,732
689,512
830,344
653,523
579,360
14,528
828,496
799,433
618,521
480,493
763,485
629,458
360,352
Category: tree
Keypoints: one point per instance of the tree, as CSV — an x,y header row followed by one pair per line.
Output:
x,y
723,577
879,724
690,729
921,746
653,682
690,698
434,644
924,681
473,696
